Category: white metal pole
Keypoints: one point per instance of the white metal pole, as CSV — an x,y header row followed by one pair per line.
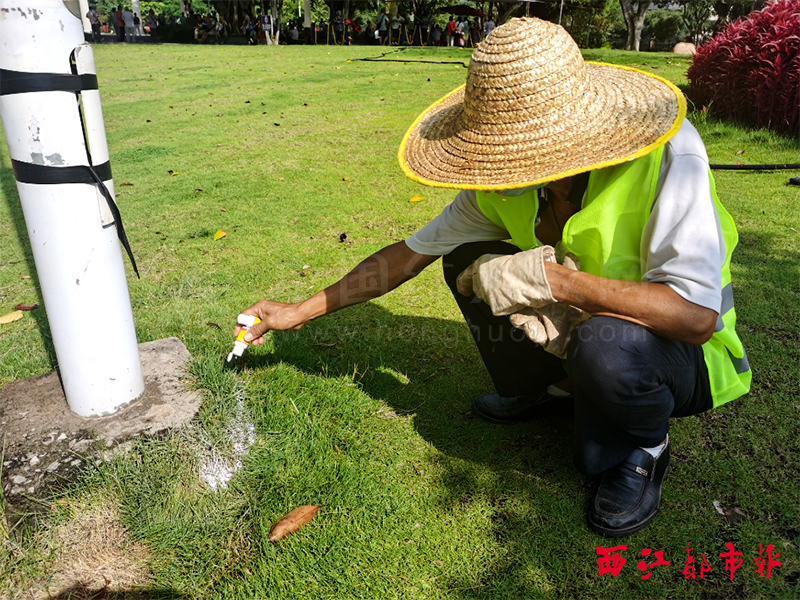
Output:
x,y
84,7
71,230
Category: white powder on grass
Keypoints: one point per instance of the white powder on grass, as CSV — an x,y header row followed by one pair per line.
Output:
x,y
216,469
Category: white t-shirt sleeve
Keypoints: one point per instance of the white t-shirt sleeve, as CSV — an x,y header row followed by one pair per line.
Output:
x,y
682,244
460,222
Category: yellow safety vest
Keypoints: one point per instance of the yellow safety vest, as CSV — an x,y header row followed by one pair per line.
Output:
x,y
606,235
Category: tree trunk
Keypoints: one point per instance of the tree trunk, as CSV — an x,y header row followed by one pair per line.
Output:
x,y
589,29
634,20
276,7
723,9
505,9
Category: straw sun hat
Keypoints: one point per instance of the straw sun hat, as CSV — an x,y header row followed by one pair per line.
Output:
x,y
532,111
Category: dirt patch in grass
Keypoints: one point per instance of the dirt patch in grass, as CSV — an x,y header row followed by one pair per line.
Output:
x,y
94,556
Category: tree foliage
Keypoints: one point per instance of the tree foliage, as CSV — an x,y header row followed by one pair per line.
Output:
x,y
695,15
319,12
169,7
730,10
665,25
589,22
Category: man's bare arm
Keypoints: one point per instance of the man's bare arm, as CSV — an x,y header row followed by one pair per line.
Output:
x,y
652,305
374,276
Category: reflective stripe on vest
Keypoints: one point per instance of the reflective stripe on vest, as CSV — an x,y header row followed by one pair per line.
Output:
x,y
727,304
606,237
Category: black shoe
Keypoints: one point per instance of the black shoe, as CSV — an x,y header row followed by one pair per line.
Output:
x,y
495,408
630,494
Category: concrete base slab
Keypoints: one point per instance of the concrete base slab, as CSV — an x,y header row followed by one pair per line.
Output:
x,y
47,445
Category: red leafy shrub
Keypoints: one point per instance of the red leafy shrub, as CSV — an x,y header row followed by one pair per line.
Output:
x,y
751,71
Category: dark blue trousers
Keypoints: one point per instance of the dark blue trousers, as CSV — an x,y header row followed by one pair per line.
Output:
x,y
628,382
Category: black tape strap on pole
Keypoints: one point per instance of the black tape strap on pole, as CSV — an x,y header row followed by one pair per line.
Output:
x,y
123,237
44,174
18,82
50,175
777,167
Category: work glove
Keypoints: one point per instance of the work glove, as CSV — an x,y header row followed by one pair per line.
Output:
x,y
509,283
551,325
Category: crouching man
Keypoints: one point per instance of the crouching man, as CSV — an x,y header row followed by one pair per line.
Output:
x,y
616,288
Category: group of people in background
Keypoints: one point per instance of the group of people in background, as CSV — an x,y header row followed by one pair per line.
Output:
x,y
396,30
207,27
386,30
260,28
465,32
125,24
410,31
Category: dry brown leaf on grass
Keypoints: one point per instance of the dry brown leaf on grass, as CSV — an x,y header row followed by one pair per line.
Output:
x,y
292,522
11,317
22,306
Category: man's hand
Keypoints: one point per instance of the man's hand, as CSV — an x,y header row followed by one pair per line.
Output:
x,y
509,283
551,325
275,316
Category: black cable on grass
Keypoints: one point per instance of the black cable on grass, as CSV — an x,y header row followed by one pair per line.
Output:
x,y
780,167
432,62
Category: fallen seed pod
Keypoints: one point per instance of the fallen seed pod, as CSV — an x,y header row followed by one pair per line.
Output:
x,y
291,522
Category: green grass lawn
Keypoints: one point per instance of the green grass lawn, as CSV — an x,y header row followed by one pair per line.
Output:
x,y
367,411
